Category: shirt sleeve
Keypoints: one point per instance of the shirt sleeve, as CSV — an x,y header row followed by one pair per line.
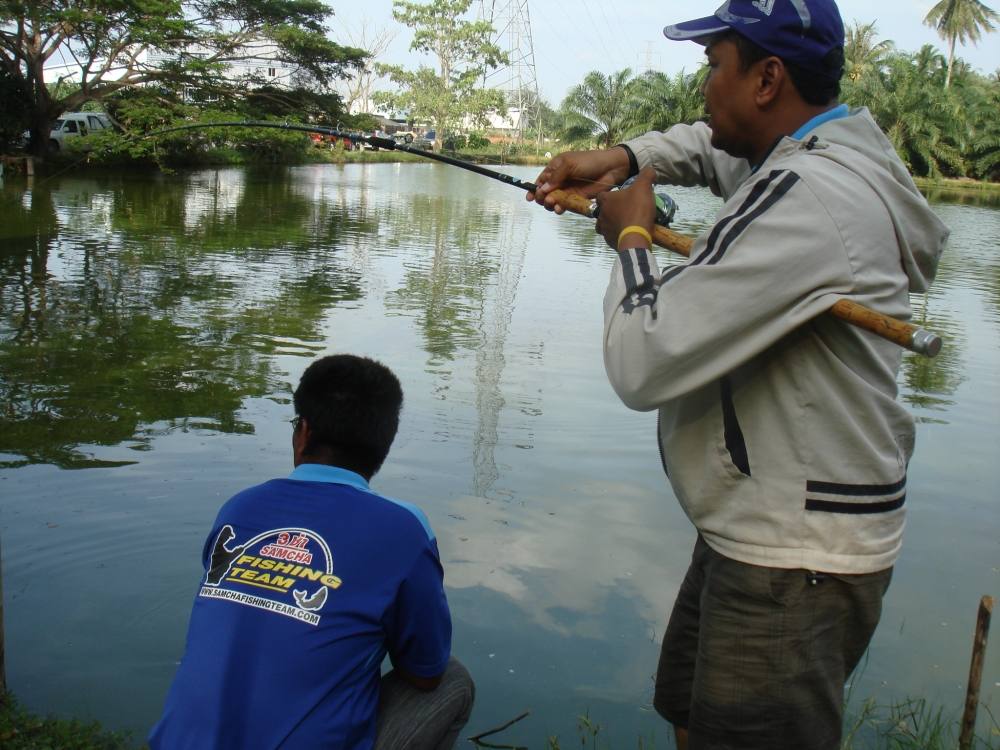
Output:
x,y
419,628
684,155
773,261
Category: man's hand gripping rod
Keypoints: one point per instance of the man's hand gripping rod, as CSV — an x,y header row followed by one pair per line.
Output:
x,y
907,335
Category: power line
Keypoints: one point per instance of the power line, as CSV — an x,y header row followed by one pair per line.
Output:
x,y
517,80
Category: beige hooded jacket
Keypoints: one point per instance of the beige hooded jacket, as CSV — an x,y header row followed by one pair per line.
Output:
x,y
778,426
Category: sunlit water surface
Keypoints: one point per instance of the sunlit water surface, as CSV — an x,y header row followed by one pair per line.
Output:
x,y
151,331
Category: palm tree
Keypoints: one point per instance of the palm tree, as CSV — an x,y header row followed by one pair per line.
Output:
x,y
961,21
603,103
662,100
981,102
862,51
920,118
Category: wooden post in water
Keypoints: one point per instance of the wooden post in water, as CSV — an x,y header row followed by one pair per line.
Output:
x,y
975,673
3,668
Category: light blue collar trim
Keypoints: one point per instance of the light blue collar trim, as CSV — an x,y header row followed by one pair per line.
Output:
x,y
331,474
831,114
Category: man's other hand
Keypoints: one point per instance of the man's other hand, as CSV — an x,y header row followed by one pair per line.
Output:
x,y
585,173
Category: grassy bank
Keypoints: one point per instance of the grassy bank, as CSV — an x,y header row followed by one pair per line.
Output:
x,y
970,192
477,157
910,725
947,184
20,730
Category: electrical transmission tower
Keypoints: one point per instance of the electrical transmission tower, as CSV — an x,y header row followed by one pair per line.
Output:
x,y
512,33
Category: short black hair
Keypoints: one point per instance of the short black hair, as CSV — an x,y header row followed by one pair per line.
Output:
x,y
817,87
352,406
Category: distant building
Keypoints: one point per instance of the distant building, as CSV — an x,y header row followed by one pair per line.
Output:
x,y
498,127
257,63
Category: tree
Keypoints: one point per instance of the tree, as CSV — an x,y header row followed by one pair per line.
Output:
x,y
464,53
604,104
12,114
980,141
922,119
115,45
960,21
357,87
862,50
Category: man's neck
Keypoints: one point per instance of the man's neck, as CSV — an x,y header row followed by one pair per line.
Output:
x,y
328,459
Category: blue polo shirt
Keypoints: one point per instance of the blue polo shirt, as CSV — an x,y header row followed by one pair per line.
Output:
x,y
309,582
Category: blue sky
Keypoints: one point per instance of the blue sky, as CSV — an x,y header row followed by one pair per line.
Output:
x,y
571,39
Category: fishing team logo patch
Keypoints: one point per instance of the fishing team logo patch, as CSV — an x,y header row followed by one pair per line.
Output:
x,y
286,571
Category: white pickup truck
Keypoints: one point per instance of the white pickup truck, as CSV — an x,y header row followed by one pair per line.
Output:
x,y
73,124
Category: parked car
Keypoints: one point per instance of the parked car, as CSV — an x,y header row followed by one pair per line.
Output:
x,y
404,138
74,124
426,141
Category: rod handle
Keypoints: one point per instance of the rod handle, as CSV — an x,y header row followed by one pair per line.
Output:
x,y
907,335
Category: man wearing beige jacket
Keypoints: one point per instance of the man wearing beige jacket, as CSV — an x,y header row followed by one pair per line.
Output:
x,y
778,426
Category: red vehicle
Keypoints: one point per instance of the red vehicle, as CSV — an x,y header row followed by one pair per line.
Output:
x,y
321,139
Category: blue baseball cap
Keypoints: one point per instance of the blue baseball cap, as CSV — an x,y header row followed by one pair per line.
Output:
x,y
801,32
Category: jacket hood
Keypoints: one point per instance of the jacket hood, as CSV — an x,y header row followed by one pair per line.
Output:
x,y
870,155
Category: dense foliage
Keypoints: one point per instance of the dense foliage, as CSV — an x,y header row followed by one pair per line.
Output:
x,y
188,46
938,130
141,112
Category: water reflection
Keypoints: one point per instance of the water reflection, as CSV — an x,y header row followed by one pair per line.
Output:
x,y
138,308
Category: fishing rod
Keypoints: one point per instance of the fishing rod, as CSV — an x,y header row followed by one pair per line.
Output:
x,y
906,335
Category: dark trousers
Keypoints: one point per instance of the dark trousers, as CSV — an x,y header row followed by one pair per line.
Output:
x,y
412,719
756,658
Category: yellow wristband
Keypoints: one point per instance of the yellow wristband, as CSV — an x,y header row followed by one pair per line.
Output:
x,y
634,229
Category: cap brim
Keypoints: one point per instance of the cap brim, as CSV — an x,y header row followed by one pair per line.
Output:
x,y
694,30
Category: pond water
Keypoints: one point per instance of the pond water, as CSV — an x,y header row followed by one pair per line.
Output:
x,y
152,329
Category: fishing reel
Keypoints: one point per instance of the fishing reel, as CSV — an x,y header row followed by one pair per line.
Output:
x,y
666,206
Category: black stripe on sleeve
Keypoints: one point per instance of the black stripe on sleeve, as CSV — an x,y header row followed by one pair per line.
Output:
x,y
640,289
722,224
783,186
628,271
642,260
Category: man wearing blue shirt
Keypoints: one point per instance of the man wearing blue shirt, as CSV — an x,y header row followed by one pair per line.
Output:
x,y
309,582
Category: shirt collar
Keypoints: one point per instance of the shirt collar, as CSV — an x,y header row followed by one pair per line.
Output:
x,y
329,474
841,110
831,114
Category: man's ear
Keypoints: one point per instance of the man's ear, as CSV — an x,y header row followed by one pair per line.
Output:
x,y
300,437
771,78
